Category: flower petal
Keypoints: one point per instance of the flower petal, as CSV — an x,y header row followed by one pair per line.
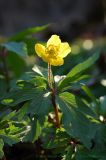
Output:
x,y
46,58
56,61
54,40
40,49
65,49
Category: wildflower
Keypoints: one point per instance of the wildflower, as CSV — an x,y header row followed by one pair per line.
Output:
x,y
54,52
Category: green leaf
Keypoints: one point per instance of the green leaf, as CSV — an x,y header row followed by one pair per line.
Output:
x,y
30,80
27,76
19,36
9,139
19,48
12,131
40,105
76,72
100,139
34,132
18,96
3,85
69,82
16,64
77,103
53,138
80,68
92,97
102,101
4,113
76,124
21,113
69,154
23,84
89,93
30,42
48,137
41,71
40,82
101,155
83,155
9,116
1,148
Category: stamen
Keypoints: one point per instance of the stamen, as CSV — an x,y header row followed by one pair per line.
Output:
x,y
52,50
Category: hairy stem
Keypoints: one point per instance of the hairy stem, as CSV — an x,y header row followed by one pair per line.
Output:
x,y
53,97
49,75
55,109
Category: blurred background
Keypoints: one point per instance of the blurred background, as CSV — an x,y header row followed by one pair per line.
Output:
x,y
68,18
82,23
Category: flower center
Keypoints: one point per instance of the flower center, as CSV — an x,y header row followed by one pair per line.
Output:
x,y
52,50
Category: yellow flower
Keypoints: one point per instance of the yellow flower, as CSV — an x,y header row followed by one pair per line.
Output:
x,y
54,52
